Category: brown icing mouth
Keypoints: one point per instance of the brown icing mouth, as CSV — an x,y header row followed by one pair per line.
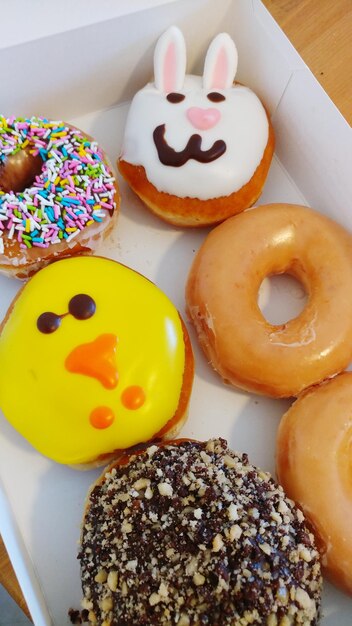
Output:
x,y
193,149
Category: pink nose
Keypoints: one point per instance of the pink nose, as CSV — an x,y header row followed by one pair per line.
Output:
x,y
203,118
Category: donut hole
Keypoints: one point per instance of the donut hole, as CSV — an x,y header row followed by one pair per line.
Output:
x,y
281,297
20,171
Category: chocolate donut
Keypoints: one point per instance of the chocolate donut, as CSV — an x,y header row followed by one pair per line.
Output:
x,y
191,534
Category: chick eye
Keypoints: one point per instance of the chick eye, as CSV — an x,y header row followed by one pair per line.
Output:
x,y
81,306
48,322
175,97
215,96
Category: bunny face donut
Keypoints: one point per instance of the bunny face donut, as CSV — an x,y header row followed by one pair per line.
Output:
x,y
222,299
196,149
314,465
106,356
58,196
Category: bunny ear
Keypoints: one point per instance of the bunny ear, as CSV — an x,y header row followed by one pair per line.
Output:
x,y
170,61
220,63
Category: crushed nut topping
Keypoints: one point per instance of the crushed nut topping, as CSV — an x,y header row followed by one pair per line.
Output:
x,y
191,534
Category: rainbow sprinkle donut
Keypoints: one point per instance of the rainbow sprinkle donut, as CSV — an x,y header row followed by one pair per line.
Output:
x,y
58,195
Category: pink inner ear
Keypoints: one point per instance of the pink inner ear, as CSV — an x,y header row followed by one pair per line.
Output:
x,y
221,69
170,68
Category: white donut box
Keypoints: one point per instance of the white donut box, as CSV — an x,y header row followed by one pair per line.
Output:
x,y
83,65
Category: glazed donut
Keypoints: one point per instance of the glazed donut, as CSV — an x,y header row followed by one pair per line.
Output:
x,y
107,357
190,533
58,196
196,150
222,299
314,465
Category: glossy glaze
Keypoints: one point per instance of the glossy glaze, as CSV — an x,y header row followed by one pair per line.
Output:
x,y
222,299
314,465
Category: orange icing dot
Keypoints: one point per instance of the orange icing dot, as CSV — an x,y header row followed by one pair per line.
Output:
x,y
133,397
96,359
101,417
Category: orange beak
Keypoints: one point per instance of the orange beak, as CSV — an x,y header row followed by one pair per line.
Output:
x,y
96,359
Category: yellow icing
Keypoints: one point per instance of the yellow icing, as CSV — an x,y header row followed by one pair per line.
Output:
x,y
51,406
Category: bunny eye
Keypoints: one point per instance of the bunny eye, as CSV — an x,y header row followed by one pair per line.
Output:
x,y
215,96
175,97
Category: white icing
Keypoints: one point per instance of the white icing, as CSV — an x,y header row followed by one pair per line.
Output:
x,y
243,126
220,64
170,60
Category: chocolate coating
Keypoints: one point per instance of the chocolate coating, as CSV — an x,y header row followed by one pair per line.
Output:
x,y
215,96
193,150
82,306
191,534
174,97
48,322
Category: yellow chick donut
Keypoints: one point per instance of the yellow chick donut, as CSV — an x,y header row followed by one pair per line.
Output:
x,y
103,359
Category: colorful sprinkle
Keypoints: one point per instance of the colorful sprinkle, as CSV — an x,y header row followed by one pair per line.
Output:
x,y
75,188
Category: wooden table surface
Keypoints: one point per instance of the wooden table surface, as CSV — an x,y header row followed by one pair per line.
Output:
x,y
321,31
